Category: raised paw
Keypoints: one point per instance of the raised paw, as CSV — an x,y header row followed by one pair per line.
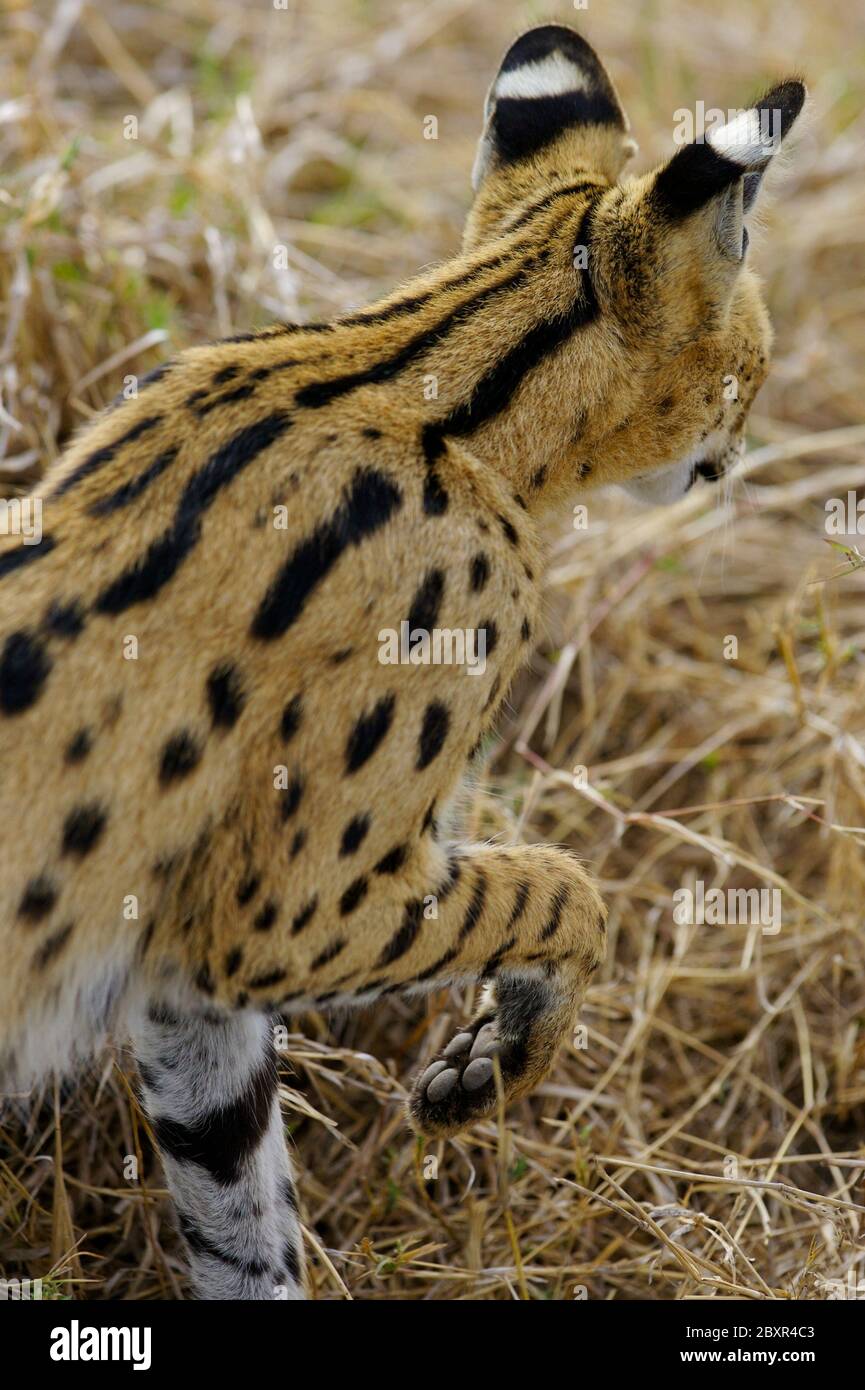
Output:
x,y
459,1087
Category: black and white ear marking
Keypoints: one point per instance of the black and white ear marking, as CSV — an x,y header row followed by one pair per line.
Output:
x,y
550,80
734,155
753,136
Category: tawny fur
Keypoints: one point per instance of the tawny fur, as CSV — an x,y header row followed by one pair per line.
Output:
x,y
244,892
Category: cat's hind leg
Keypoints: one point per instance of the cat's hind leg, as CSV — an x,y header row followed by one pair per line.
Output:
x,y
209,1086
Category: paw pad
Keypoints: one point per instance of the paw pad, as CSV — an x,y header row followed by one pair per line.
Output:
x,y
459,1086
477,1074
438,1081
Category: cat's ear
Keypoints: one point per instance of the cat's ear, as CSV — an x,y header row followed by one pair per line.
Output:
x,y
551,82
721,174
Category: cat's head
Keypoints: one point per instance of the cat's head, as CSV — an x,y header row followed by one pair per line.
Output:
x,y
680,319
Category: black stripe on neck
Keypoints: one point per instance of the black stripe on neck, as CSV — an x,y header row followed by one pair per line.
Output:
x,y
321,393
494,392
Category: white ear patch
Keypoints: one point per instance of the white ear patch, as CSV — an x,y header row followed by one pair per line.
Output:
x,y
547,77
750,139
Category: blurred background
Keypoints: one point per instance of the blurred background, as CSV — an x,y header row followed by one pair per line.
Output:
x,y
176,172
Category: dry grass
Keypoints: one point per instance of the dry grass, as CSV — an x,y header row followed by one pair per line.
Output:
x,y
708,1141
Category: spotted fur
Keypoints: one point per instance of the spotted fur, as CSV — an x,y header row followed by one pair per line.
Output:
x,y
217,802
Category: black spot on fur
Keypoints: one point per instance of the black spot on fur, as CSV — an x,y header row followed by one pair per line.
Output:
x,y
480,572
475,908
204,979
539,477
393,861
435,496
495,960
426,603
14,560
455,873
248,889
233,962
354,834
353,896
65,619
270,977
525,630
240,393
368,733
509,530
369,503
40,895
180,756
434,731
225,695
328,954
223,375
266,916
83,829
52,947
79,746
559,903
291,798
298,842
291,717
492,635
24,669
519,905
304,917
405,937
441,964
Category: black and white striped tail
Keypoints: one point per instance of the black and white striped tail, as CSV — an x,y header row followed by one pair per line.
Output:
x,y
210,1089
